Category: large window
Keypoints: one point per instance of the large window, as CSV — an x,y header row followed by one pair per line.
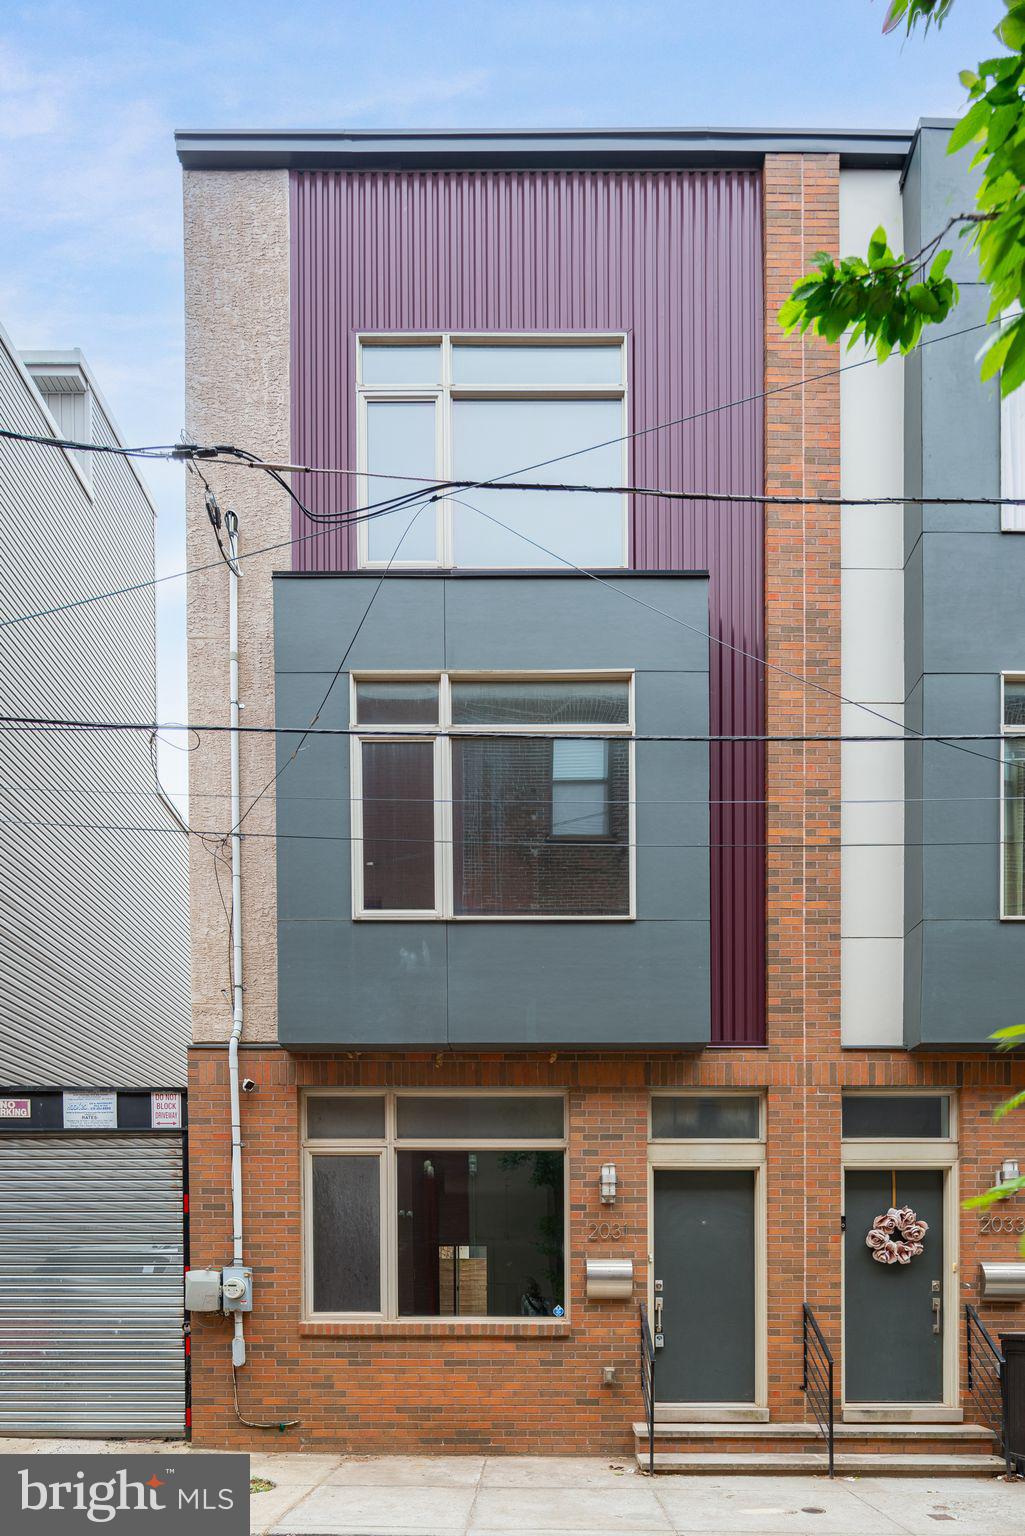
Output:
x,y
1013,819
434,1205
484,407
491,797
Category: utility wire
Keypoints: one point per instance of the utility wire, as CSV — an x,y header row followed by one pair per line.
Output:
x,y
783,845
424,502
663,426
241,457
88,791
37,723
761,661
359,515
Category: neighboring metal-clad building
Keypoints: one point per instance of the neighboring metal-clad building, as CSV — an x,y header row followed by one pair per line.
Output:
x,y
94,961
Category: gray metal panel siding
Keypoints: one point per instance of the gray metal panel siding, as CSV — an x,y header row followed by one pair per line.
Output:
x,y
963,626
91,1273
431,984
94,968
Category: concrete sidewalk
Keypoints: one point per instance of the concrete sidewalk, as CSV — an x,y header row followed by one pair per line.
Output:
x,y
326,1495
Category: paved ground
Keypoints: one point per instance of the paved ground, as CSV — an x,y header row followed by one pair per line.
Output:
x,y
316,1495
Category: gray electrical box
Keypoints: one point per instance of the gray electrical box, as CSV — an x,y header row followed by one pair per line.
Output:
x,y
237,1288
203,1290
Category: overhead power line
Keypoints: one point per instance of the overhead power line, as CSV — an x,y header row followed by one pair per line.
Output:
x,y
240,457
783,845
185,450
729,645
35,723
41,790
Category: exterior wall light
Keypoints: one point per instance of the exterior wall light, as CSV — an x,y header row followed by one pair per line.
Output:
x,y
1008,1170
608,1183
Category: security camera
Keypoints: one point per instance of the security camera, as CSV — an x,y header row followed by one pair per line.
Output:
x,y
248,1086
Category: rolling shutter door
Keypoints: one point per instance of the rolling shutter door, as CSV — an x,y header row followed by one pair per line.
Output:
x,y
91,1271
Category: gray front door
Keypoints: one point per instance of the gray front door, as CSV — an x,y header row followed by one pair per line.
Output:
x,y
705,1260
893,1336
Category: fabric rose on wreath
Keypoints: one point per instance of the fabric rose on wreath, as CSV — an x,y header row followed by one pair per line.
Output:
x,y
896,1236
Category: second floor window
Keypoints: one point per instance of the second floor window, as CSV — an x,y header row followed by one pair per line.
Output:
x,y
492,797
484,407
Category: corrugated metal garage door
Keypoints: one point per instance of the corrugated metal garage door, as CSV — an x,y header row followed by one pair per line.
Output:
x,y
91,1284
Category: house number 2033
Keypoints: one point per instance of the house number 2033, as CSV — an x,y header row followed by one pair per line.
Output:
x,y
1002,1223
605,1232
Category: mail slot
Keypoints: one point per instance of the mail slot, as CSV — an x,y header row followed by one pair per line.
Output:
x,y
1003,1282
610,1279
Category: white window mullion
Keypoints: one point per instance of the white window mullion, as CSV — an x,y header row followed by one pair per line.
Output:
x,y
443,826
446,536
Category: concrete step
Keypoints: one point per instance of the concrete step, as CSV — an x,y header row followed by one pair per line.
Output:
x,y
906,1429
846,1463
907,1439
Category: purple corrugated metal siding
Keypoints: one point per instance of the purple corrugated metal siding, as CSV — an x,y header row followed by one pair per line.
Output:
x,y
675,260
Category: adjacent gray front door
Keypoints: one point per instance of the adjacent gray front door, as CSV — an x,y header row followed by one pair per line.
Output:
x,y
893,1334
705,1260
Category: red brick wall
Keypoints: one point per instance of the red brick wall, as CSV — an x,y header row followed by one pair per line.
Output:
x,y
802,617
516,1387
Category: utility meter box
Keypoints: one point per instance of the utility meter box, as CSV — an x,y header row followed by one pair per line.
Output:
x,y
237,1288
203,1290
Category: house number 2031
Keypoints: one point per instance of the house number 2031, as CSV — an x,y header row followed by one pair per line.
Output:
x,y
605,1232
1002,1223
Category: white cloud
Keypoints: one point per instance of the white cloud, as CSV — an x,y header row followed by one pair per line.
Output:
x,y
31,100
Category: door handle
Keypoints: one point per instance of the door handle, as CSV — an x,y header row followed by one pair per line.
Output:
x,y
937,1309
659,1336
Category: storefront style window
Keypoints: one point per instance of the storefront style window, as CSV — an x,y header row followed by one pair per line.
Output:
x,y
484,798
430,1205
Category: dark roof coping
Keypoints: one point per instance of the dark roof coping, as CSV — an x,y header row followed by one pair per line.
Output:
x,y
531,149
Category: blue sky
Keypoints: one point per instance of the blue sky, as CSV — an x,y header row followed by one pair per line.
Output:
x,y
90,195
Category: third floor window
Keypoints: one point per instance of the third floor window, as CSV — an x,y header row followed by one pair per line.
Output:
x,y
482,407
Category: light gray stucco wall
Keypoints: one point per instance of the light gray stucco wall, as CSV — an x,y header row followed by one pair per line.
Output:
x,y
964,623
237,391
493,984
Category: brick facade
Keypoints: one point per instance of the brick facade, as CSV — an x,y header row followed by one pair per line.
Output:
x,y
527,1387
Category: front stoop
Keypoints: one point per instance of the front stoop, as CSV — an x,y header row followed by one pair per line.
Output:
x,y
869,1450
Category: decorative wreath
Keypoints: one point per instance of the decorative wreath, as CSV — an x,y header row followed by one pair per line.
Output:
x,y
896,1238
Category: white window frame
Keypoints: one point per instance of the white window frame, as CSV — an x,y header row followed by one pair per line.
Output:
x,y
445,393
442,734
386,1147
1007,733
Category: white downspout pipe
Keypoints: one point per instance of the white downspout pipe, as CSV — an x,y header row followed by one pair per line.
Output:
x,y
238,1343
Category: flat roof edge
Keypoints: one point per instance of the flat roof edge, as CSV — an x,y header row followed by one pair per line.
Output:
x,y
608,149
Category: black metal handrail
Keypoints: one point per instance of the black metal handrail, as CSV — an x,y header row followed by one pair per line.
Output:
x,y
817,1376
648,1383
987,1380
